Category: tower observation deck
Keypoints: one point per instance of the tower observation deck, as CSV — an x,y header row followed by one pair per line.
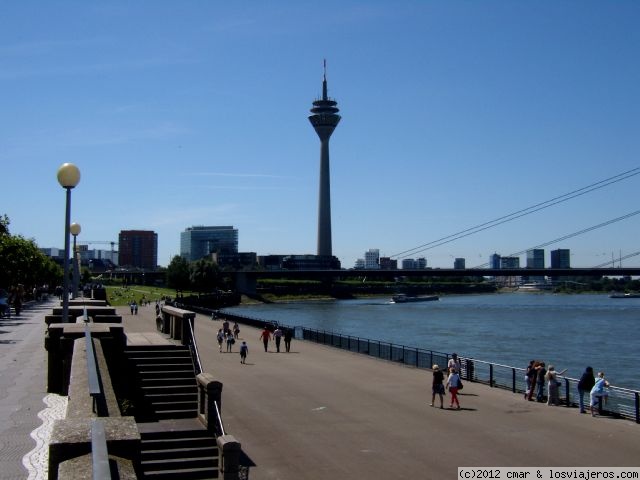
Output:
x,y
324,120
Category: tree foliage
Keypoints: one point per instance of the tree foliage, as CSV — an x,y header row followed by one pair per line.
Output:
x,y
21,262
178,274
204,275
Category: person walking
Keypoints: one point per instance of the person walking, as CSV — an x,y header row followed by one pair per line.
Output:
x,y
244,351
220,338
453,382
454,362
437,385
265,336
598,393
585,384
236,331
230,341
277,335
288,335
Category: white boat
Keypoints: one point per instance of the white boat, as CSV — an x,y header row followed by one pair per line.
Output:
x,y
404,298
624,295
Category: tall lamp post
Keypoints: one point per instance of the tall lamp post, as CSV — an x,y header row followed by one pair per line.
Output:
x,y
75,231
68,178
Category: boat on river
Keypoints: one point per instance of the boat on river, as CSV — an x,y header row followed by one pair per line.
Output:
x,y
404,298
624,295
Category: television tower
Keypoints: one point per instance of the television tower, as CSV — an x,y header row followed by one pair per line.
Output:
x,y
324,119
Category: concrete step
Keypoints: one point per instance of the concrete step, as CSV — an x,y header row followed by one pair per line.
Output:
x,y
169,380
188,474
161,365
164,373
178,449
169,389
174,405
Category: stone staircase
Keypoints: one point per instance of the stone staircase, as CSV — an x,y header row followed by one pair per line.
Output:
x,y
166,379
174,443
177,449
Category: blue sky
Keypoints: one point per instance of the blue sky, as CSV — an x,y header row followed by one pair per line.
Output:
x,y
453,114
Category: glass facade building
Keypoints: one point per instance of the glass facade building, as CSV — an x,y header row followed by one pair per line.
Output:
x,y
201,241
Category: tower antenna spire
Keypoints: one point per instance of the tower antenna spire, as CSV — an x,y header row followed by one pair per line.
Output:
x,y
324,82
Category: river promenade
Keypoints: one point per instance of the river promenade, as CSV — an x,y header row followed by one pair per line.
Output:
x,y
320,412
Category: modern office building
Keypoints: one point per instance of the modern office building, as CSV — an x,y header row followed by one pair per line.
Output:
x,y
408,264
138,249
561,258
459,264
509,262
201,241
535,258
388,263
494,261
372,259
324,119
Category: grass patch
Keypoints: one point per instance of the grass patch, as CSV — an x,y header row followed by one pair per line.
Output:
x,y
121,296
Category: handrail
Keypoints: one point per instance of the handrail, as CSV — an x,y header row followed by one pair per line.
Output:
x,y
193,345
219,425
95,389
99,451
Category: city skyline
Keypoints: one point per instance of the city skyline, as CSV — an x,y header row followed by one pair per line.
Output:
x,y
455,114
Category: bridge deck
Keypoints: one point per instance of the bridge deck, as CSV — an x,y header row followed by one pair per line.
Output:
x,y
319,413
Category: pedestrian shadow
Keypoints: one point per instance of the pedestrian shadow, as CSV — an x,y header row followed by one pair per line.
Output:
x,y
463,409
7,342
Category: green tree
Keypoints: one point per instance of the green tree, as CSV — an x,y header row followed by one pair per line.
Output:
x,y
204,275
22,262
178,274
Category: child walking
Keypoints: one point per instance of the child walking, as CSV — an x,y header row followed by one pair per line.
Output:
x,y
244,350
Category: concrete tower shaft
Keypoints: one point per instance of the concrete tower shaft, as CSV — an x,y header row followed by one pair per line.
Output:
x,y
325,118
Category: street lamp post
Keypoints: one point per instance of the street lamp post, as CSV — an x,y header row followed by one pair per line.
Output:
x,y
68,177
75,231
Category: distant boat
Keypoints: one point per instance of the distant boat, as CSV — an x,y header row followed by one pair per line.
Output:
x,y
534,287
404,298
624,295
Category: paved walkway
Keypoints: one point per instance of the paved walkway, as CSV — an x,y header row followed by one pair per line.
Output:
x,y
23,394
320,413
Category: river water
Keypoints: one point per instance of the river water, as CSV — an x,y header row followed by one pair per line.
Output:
x,y
568,331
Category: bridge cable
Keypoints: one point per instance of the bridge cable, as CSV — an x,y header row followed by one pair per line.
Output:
x,y
571,235
520,213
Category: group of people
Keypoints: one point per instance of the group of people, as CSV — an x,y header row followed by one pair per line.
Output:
x,y
278,334
597,388
537,375
453,382
228,336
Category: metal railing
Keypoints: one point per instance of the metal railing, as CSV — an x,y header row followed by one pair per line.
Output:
x,y
193,347
99,453
95,389
219,425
